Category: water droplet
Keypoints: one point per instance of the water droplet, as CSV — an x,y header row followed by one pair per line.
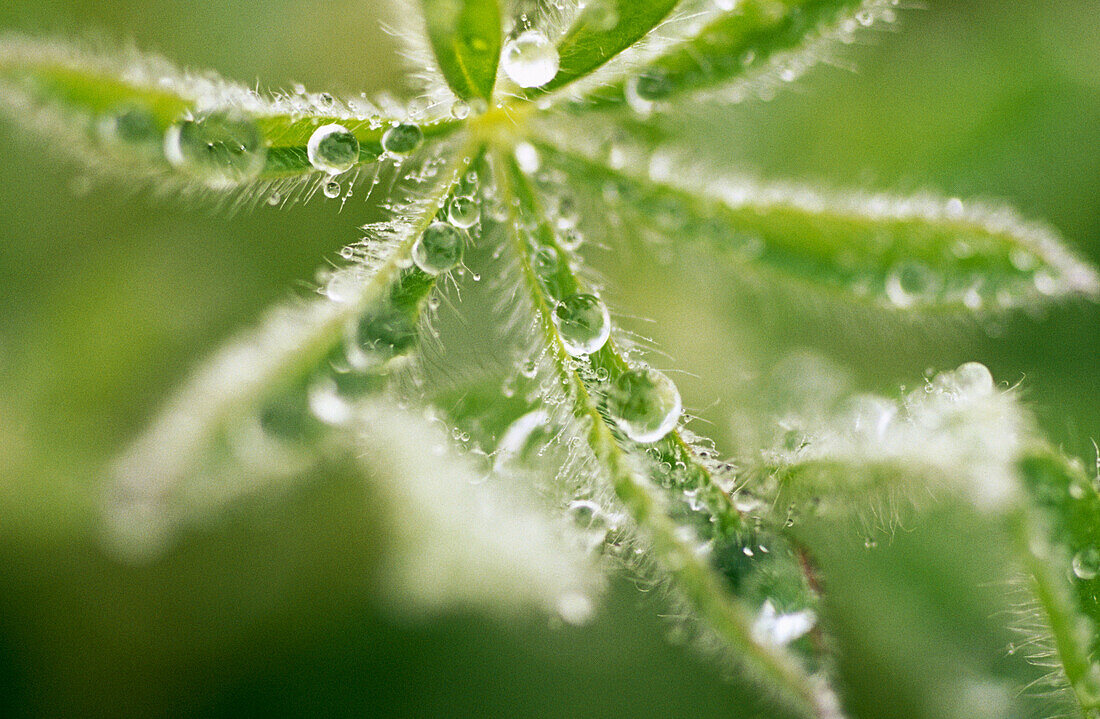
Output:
x,y
381,335
463,212
583,323
133,126
771,627
530,60
587,514
644,90
527,157
571,239
221,149
909,284
1086,563
645,404
326,403
274,199
575,608
546,261
973,380
333,149
460,109
439,249
331,189
402,139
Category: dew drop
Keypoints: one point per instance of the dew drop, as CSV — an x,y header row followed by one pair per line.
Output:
x,y
381,335
333,149
460,109
644,90
530,60
221,149
909,284
973,380
1086,563
133,126
645,404
402,139
331,189
546,261
583,323
439,249
463,212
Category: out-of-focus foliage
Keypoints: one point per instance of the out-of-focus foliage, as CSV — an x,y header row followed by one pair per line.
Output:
x,y
110,298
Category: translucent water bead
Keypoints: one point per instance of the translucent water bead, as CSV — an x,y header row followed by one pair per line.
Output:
x,y
402,139
439,249
530,60
645,404
583,323
220,149
333,149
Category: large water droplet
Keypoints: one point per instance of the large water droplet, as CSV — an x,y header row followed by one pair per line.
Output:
x,y
402,139
1086,563
221,149
333,149
583,323
530,60
439,249
381,335
645,404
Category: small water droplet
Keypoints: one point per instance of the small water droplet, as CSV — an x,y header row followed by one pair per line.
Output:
x,y
1086,563
583,323
463,212
439,249
332,149
910,283
331,189
460,109
530,60
645,404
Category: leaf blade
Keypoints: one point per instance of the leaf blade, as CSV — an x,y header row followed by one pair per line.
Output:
x,y
593,40
921,253
755,38
466,38
77,96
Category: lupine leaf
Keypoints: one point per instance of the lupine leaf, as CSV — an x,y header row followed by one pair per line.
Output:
x,y
466,38
921,252
250,408
715,46
601,31
1068,495
670,543
959,437
118,113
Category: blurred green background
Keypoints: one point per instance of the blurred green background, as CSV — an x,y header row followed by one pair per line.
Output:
x,y
109,298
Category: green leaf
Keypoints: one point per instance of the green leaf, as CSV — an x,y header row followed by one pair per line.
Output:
x,y
119,114
1069,498
906,253
671,543
720,46
255,394
466,38
601,31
